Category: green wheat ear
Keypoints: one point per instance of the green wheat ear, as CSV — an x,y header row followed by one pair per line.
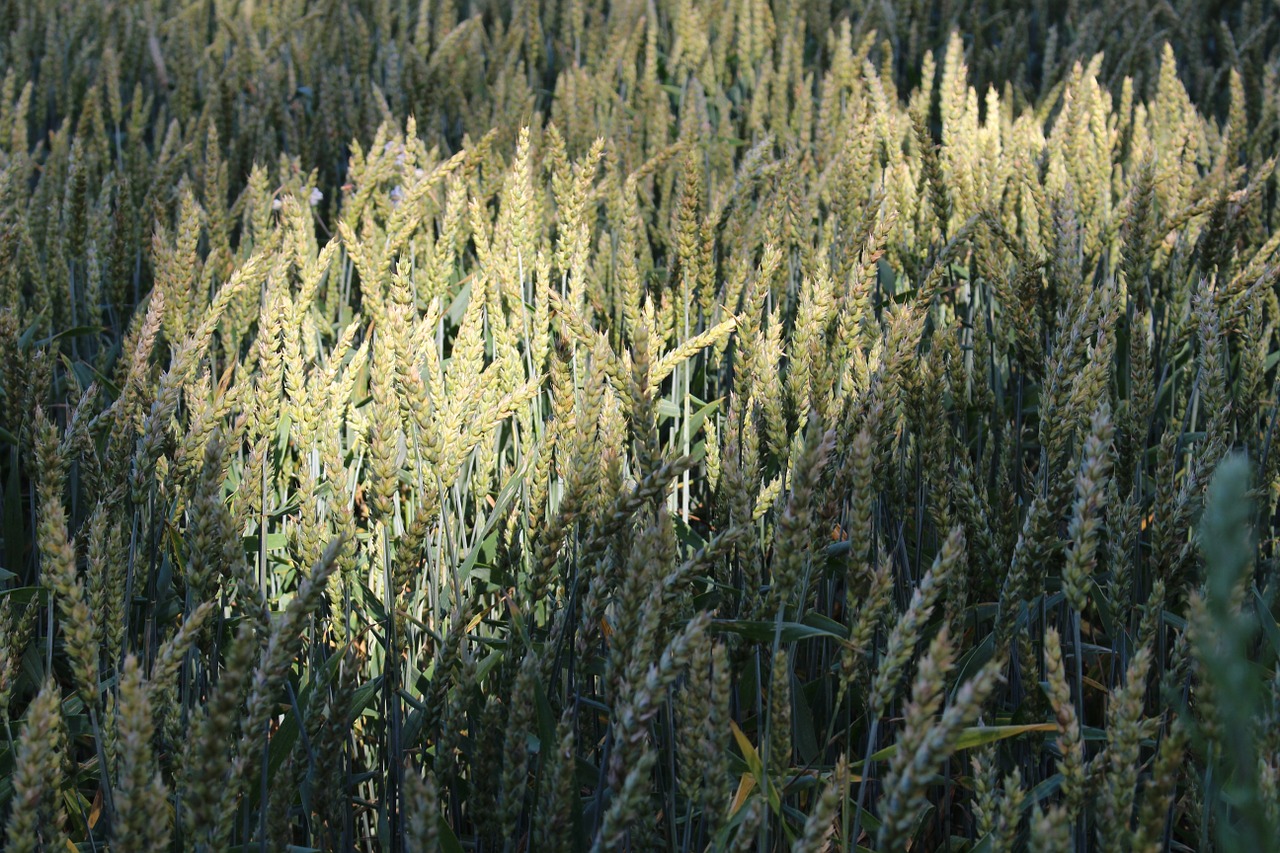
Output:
x,y
1229,627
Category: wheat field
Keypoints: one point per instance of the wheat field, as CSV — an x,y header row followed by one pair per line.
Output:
x,y
639,425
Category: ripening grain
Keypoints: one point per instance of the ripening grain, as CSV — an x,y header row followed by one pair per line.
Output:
x,y
576,426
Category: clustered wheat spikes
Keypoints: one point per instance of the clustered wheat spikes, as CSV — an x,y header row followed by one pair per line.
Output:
x,y
639,425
